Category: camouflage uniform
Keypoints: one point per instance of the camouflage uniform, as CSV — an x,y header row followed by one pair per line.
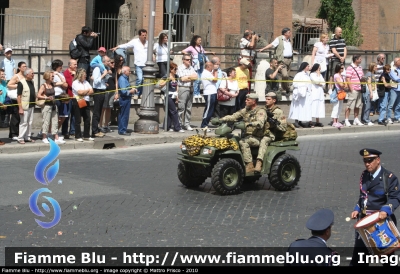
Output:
x,y
254,121
272,131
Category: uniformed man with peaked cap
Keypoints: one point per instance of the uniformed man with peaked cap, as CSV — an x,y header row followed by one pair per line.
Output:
x,y
374,196
320,224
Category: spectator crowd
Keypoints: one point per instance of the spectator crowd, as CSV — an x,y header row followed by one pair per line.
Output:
x,y
64,97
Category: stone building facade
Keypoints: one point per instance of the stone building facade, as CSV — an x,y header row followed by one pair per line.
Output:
x,y
228,17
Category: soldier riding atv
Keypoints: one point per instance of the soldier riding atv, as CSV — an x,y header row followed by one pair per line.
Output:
x,y
220,157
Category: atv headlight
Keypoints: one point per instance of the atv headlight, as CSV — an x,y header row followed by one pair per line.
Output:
x,y
183,148
206,151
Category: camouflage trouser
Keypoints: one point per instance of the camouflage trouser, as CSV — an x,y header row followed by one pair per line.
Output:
x,y
263,147
245,144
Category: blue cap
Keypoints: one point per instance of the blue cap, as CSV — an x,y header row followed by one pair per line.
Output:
x,y
320,220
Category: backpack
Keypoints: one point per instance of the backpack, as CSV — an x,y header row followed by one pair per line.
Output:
x,y
74,51
201,57
290,134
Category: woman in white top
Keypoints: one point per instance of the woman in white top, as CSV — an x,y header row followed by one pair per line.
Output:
x,y
160,49
320,53
317,94
300,108
228,86
12,89
81,90
60,87
340,84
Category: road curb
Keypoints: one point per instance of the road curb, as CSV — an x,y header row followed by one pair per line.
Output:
x,y
114,140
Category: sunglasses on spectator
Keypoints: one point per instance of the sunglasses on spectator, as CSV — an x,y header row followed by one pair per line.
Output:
x,y
187,59
112,62
369,160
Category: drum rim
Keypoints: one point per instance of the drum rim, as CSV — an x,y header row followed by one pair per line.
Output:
x,y
370,223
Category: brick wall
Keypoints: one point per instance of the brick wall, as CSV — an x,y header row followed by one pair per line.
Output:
x,y
225,16
282,10
158,24
369,24
66,21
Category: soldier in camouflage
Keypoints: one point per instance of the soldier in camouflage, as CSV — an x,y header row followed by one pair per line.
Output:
x,y
272,131
254,118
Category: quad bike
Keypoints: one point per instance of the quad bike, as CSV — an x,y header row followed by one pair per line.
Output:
x,y
220,158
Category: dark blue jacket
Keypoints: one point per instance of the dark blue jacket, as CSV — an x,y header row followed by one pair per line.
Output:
x,y
376,193
311,247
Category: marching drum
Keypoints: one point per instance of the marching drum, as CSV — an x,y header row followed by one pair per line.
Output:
x,y
379,236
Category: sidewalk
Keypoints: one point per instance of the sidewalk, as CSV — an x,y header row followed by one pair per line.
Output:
x,y
113,140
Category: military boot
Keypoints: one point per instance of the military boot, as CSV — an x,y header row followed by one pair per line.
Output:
x,y
258,167
249,167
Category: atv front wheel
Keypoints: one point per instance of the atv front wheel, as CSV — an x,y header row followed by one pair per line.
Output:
x,y
227,177
285,172
186,177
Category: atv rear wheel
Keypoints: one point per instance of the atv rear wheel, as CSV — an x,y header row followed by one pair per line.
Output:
x,y
227,177
285,172
186,177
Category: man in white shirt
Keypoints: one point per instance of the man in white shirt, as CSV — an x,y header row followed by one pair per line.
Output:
x,y
284,55
139,46
186,74
99,87
209,80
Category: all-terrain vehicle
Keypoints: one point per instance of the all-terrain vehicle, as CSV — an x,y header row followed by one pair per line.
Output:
x,y
220,158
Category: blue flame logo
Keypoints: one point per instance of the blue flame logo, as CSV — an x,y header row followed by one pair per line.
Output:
x,y
44,174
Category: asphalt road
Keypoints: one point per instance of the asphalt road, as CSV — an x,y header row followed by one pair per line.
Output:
x,y
132,198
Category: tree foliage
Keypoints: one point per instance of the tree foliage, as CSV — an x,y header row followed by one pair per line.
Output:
x,y
340,13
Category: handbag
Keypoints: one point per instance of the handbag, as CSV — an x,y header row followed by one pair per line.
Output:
x,y
221,96
375,95
201,57
81,103
333,96
12,93
40,102
341,95
363,86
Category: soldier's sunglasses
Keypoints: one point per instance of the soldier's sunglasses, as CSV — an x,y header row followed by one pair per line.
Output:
x,y
369,159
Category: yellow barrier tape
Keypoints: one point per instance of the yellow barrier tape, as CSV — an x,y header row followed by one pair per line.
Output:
x,y
148,82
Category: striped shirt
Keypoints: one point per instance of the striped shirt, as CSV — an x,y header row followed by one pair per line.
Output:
x,y
378,72
185,71
352,74
339,45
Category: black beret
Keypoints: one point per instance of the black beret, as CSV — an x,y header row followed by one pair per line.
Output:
x,y
369,152
320,220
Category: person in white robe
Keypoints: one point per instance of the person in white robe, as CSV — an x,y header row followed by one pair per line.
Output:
x,y
317,94
300,108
